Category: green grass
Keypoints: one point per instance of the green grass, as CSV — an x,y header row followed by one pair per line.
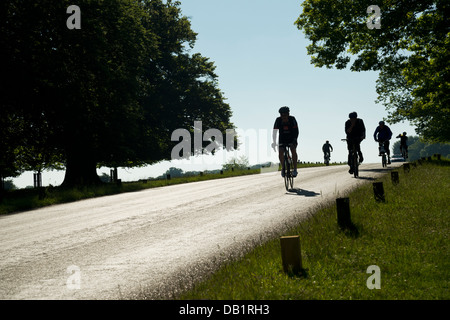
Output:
x,y
406,237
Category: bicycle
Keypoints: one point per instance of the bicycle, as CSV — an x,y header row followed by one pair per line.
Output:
x,y
288,167
404,152
354,160
326,159
382,154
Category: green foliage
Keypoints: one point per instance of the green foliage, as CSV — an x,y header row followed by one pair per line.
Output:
x,y
411,51
108,94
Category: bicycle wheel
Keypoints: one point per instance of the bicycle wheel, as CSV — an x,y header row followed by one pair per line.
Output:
x,y
355,164
383,160
291,175
287,171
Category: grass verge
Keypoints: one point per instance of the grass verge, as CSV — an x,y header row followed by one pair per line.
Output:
x,y
406,237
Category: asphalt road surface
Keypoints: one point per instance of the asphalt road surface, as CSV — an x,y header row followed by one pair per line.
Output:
x,y
142,243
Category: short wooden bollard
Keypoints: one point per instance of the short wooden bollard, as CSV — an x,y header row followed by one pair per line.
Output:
x,y
406,167
291,254
378,191
394,177
343,212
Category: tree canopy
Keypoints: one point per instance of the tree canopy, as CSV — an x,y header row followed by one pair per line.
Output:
x,y
109,93
410,49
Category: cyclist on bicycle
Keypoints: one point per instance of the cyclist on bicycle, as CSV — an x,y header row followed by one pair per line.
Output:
x,y
327,148
287,127
382,135
403,143
356,132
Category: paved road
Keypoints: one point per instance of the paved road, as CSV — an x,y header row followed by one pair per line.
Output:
x,y
116,246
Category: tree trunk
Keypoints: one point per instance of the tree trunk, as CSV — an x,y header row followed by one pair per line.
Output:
x,y
81,170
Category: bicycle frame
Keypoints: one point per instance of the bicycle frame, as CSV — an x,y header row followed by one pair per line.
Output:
x,y
288,166
354,159
326,158
383,154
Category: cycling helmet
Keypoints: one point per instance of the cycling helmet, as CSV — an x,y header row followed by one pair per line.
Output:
x,y
284,110
381,123
353,115
404,133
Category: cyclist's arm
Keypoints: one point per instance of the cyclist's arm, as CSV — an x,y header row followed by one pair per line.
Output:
x,y
375,134
275,132
295,128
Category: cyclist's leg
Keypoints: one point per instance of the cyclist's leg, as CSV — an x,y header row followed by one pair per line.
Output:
x,y
294,155
281,156
350,155
388,152
358,149
294,159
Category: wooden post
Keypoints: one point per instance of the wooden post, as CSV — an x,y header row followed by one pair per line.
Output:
x,y
406,167
394,177
343,212
291,254
378,191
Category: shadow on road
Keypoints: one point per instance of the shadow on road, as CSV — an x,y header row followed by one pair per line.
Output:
x,y
301,192
378,170
366,178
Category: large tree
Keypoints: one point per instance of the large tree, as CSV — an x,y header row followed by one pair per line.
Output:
x,y
410,48
109,93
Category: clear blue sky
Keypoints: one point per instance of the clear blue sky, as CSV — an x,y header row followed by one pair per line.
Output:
x,y
261,61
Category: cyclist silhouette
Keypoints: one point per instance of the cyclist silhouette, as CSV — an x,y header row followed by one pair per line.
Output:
x,y
327,148
287,127
403,143
356,132
382,135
